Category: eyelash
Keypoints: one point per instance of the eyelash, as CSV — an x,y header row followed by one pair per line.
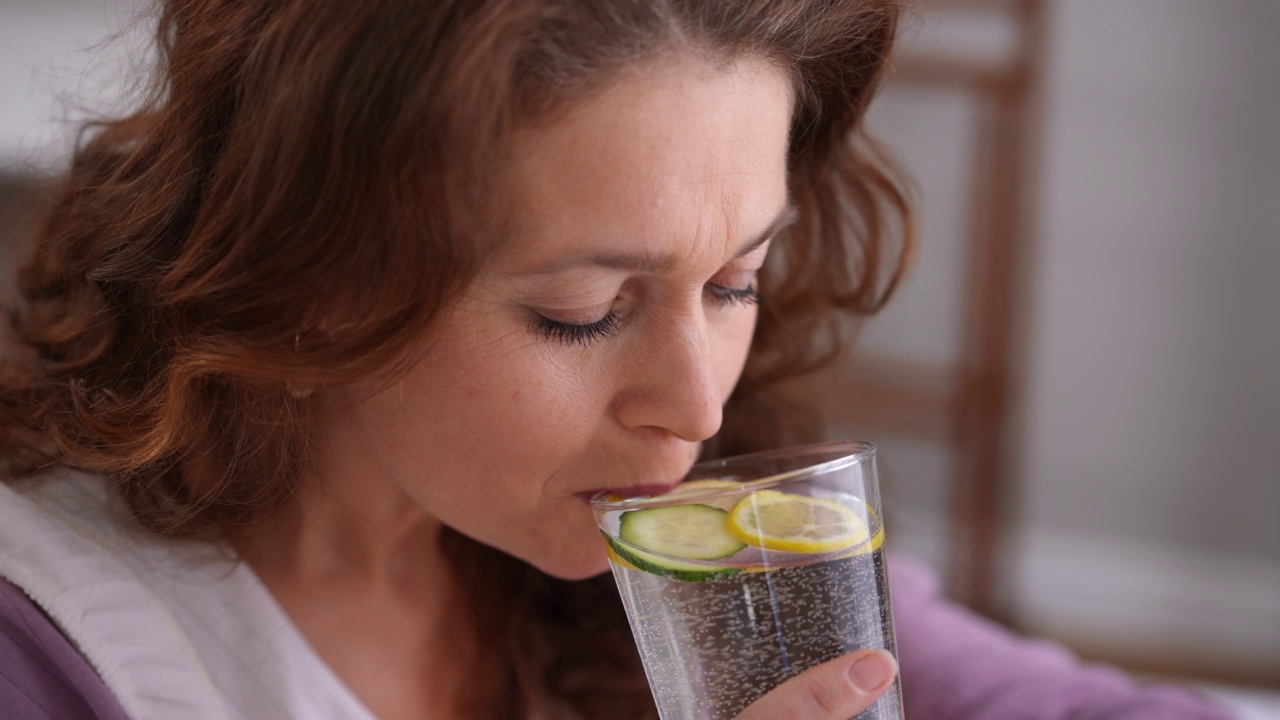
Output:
x,y
584,334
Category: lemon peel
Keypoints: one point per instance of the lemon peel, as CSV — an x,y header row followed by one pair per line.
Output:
x,y
780,521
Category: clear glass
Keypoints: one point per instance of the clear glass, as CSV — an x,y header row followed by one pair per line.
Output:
x,y
715,635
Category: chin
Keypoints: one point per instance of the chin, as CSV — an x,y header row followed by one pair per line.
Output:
x,y
580,568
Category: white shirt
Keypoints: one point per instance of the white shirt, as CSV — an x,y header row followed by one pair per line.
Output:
x,y
176,629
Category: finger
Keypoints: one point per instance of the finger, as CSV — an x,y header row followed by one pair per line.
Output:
x,y
834,690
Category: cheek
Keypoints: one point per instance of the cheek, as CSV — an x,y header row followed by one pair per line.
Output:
x,y
733,346
498,384
521,399
493,416
487,438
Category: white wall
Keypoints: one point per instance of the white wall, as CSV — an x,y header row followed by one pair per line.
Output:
x,y
55,67
1154,403
1154,399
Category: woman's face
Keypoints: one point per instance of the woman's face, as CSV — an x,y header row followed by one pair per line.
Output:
x,y
597,346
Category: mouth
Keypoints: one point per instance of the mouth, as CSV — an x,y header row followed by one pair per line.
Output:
x,y
648,490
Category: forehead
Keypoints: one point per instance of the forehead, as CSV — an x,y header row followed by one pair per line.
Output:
x,y
675,154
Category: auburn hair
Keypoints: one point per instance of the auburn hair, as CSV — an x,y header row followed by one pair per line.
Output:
x,y
303,191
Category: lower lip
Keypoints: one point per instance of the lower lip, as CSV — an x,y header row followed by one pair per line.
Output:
x,y
636,491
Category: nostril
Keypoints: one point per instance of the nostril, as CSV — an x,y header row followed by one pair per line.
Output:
x,y
677,382
681,410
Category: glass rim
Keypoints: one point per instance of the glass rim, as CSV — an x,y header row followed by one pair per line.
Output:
x,y
852,452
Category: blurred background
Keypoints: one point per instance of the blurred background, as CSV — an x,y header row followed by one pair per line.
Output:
x,y
1075,393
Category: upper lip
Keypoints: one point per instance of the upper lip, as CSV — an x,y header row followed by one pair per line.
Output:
x,y
663,476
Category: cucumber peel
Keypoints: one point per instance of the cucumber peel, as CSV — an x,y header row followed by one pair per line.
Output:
x,y
662,540
667,567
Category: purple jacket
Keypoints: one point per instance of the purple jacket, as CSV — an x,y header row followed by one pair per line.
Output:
x,y
955,666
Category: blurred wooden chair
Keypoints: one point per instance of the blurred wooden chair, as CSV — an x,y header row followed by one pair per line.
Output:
x,y
966,405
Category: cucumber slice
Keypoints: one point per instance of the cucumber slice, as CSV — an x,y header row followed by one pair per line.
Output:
x,y
635,558
658,539
693,532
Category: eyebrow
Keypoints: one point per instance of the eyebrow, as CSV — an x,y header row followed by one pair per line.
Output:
x,y
649,263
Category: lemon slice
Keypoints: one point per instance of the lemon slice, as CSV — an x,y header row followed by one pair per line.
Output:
x,y
877,542
795,523
704,486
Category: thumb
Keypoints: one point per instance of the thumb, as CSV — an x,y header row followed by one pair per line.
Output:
x,y
835,690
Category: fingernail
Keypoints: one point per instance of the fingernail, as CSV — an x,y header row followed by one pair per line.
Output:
x,y
872,670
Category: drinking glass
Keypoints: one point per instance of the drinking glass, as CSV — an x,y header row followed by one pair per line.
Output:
x,y
752,570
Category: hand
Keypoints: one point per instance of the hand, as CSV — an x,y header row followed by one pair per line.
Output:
x,y
835,690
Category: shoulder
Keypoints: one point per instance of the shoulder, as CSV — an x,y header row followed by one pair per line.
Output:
x,y
42,674
93,583
173,628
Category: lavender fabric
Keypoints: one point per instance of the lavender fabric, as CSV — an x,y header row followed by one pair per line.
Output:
x,y
955,666
42,675
959,666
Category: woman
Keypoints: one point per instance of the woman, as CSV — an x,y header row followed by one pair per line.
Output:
x,y
323,348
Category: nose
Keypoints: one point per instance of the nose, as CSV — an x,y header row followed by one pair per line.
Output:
x,y
672,384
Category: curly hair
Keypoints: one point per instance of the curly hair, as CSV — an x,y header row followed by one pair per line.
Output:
x,y
300,165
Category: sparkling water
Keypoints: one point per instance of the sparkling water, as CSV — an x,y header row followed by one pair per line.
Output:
x,y
712,648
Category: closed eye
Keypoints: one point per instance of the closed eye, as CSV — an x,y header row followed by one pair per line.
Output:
x,y
570,333
577,333
723,295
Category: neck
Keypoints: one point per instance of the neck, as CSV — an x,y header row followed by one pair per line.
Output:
x,y
332,533
349,522
358,568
